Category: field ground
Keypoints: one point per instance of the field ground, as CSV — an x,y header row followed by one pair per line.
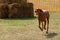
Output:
x,y
27,29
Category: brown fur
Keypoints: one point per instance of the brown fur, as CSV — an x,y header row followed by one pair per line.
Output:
x,y
43,17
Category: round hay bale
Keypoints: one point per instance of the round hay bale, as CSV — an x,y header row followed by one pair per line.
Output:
x,y
3,11
28,10
13,10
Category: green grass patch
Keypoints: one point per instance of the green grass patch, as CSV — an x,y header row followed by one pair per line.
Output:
x,y
27,29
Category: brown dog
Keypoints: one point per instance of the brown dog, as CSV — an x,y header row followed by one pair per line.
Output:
x,y
43,17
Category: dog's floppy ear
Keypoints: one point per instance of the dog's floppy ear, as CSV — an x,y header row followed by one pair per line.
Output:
x,y
40,10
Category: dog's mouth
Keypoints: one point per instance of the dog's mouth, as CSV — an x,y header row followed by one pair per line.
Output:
x,y
35,11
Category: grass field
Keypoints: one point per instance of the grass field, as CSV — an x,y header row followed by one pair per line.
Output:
x,y
27,29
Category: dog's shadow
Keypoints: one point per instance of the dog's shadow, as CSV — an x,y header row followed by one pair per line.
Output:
x,y
51,35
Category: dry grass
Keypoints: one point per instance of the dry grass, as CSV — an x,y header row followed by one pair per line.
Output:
x,y
27,29
50,5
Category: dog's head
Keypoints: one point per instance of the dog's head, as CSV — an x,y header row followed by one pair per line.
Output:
x,y
38,11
